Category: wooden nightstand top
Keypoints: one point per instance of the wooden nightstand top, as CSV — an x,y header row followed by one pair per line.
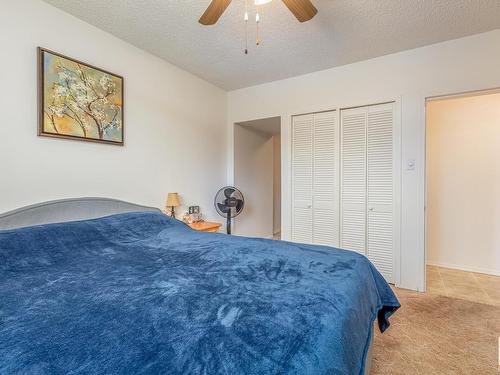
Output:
x,y
206,226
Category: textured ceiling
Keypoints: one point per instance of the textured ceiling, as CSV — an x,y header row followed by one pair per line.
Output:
x,y
344,31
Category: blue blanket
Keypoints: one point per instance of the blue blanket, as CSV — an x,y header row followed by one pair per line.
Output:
x,y
143,293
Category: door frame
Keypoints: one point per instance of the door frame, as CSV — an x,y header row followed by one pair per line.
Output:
x,y
231,177
427,99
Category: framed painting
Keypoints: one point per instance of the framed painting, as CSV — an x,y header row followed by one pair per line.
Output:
x,y
78,101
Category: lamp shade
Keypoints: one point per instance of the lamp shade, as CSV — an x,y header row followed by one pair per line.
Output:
x,y
173,200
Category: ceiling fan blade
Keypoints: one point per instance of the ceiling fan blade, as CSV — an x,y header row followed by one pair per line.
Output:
x,y
303,10
214,11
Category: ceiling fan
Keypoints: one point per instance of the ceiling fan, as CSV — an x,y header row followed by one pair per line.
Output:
x,y
303,10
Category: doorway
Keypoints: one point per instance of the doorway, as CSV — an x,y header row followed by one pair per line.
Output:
x,y
257,173
463,196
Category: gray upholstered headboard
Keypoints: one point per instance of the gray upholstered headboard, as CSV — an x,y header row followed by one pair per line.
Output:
x,y
67,210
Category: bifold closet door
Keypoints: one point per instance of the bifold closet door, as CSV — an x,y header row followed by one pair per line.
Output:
x,y
325,179
353,179
315,198
367,184
302,178
380,188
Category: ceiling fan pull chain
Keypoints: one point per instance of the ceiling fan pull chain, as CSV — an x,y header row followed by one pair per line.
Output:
x,y
257,21
246,27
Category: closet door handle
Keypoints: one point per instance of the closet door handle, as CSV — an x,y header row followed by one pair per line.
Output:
x,y
309,206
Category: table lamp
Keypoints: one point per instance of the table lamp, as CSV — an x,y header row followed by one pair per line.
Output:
x,y
172,202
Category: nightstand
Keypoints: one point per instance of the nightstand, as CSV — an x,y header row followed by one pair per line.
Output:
x,y
206,226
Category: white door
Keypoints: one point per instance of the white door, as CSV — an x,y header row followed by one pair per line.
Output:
x,y
353,180
325,179
380,187
302,178
351,203
368,185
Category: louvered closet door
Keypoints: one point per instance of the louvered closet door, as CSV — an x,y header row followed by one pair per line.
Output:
x,y
302,178
325,186
380,150
353,180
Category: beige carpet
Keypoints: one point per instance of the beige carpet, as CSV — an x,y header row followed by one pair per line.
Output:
x,y
432,334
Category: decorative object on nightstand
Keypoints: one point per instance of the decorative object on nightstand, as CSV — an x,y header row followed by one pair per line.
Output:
x,y
172,202
206,226
194,209
193,215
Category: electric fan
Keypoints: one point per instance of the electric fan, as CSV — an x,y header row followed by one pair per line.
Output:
x,y
229,203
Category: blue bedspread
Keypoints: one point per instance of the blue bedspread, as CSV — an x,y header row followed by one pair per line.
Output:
x,y
143,293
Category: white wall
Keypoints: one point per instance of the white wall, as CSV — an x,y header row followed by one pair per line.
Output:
x,y
408,77
254,177
174,121
463,183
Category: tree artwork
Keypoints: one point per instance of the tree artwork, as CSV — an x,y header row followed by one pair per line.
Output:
x,y
80,101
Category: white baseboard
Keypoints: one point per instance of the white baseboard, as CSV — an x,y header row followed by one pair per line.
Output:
x,y
487,271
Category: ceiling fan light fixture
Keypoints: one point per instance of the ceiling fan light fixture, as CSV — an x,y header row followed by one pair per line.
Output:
x,y
303,10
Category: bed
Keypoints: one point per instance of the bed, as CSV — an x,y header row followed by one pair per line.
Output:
x,y
95,285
